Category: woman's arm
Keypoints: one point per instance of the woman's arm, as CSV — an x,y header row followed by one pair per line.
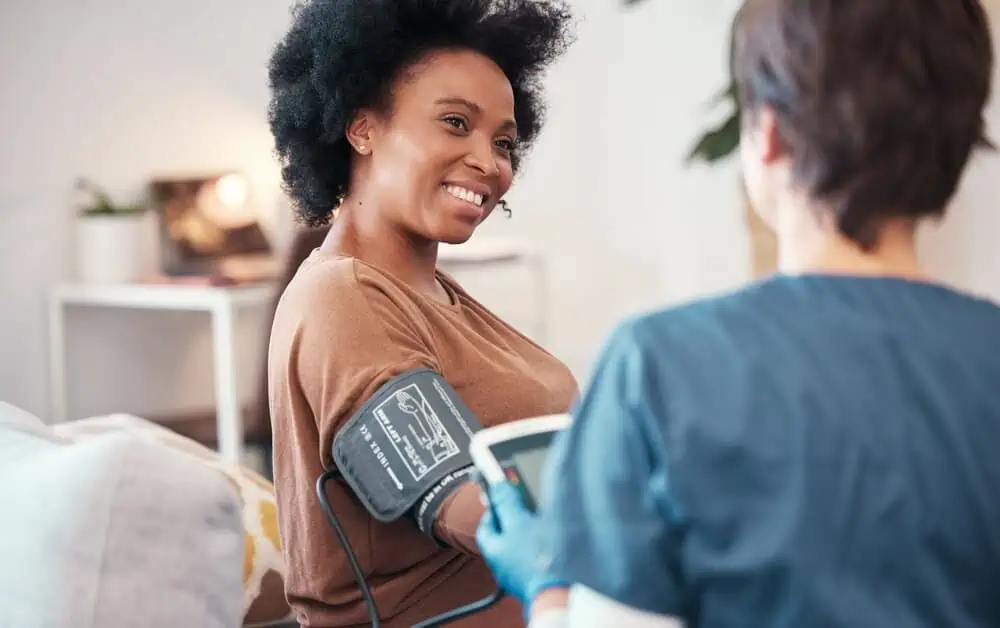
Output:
x,y
458,518
610,515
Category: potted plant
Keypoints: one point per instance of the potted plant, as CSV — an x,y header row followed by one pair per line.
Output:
x,y
113,243
720,142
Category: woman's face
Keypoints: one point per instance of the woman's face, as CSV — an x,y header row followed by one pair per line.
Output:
x,y
440,161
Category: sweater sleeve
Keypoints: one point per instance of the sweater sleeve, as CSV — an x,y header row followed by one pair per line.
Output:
x,y
352,337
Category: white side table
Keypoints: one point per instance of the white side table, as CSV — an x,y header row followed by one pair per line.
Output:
x,y
222,303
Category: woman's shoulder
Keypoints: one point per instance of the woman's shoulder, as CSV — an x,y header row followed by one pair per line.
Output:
x,y
342,302
778,319
335,293
332,284
713,327
323,284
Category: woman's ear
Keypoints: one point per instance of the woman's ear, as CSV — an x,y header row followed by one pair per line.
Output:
x,y
361,131
768,136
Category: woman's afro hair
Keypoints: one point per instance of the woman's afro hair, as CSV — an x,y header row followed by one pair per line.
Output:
x,y
343,55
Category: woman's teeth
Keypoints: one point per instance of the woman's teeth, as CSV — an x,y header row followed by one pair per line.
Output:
x,y
465,195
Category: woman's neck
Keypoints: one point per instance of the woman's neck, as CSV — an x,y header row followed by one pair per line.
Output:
x,y
362,235
807,246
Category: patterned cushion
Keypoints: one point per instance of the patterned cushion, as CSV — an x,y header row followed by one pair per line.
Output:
x,y
263,566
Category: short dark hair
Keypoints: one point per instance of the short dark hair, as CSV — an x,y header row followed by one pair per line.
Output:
x,y
878,102
343,55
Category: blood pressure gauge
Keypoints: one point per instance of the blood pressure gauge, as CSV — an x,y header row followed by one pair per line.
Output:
x,y
516,452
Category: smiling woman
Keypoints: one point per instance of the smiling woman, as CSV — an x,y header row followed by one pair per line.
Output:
x,y
401,124
445,156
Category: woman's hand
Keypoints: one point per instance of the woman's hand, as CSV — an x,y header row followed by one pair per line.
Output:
x,y
513,548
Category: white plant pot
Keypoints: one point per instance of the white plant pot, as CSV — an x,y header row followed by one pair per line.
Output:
x,y
113,249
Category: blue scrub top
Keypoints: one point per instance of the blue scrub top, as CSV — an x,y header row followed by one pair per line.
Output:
x,y
809,452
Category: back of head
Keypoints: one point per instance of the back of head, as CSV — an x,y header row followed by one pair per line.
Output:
x,y
878,103
343,55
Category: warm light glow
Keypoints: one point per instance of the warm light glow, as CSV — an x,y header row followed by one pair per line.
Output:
x,y
226,201
232,190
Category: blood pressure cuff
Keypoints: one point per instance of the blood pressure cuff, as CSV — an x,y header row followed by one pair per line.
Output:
x,y
407,448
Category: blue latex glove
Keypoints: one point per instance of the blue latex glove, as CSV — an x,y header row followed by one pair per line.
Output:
x,y
512,545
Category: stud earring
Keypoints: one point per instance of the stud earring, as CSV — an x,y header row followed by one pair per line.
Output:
x,y
363,150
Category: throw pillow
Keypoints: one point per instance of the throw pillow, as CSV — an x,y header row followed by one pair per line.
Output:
x,y
114,530
263,566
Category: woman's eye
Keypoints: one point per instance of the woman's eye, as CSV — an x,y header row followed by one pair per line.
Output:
x,y
505,144
457,123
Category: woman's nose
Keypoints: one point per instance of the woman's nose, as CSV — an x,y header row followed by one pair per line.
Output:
x,y
482,158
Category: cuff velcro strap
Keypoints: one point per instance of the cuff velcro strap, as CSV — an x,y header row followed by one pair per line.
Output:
x,y
407,440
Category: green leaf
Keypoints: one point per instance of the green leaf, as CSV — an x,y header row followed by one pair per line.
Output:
x,y
717,143
101,203
720,142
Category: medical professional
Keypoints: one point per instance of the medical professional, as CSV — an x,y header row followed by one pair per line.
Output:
x,y
818,449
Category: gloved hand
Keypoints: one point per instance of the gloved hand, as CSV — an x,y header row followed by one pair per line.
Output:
x,y
512,545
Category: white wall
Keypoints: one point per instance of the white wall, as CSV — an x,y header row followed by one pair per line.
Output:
x,y
118,90
122,90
